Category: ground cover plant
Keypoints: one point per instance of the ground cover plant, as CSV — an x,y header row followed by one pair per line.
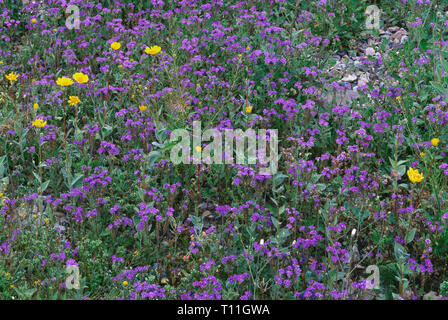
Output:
x,y
93,207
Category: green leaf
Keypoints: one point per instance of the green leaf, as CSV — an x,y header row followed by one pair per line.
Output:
x,y
106,131
36,176
278,178
400,252
76,180
45,185
275,222
152,157
411,235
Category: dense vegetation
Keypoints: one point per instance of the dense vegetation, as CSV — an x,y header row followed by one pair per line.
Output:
x,y
86,178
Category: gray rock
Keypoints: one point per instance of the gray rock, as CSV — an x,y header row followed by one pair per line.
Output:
x,y
370,51
349,78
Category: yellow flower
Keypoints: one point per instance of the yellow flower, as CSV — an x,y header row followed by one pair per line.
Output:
x,y
198,149
12,76
435,142
115,45
36,106
39,123
125,283
143,108
73,100
422,154
80,77
249,109
11,286
7,274
64,81
46,220
414,175
398,98
152,50
34,20
1,194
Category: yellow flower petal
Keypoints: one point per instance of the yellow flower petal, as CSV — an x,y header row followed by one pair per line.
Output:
x,y
435,142
115,45
153,50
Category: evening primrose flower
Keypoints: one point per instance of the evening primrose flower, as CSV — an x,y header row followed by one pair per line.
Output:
x,y
12,76
125,283
152,50
143,108
80,77
414,175
249,109
115,45
73,100
36,106
39,123
435,142
34,20
64,81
